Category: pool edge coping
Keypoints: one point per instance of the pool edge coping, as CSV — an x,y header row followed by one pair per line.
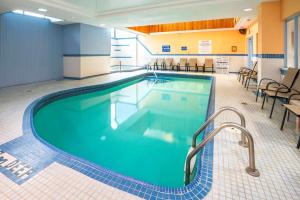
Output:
x,y
186,191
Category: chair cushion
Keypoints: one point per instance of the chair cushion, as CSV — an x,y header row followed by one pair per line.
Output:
x,y
279,94
271,87
295,102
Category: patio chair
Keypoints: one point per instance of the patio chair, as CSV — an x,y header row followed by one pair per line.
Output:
x,y
283,91
208,63
160,63
182,65
192,64
245,70
251,75
169,64
152,64
295,110
291,107
270,84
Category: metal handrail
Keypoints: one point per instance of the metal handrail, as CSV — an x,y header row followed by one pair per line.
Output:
x,y
250,169
154,73
243,141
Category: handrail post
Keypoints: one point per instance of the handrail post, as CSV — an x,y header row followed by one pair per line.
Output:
x,y
251,169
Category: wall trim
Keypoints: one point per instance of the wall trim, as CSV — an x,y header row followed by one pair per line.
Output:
x,y
84,55
125,38
285,44
292,17
121,57
266,55
120,45
296,46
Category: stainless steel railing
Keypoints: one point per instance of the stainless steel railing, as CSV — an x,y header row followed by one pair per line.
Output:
x,y
246,140
243,141
251,169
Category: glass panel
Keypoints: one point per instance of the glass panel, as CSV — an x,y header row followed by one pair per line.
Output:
x,y
123,52
290,43
112,32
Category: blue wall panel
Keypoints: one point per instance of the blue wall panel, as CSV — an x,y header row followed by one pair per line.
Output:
x,y
30,50
94,40
71,39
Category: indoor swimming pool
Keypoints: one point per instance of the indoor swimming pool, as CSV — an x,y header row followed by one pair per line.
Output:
x,y
140,129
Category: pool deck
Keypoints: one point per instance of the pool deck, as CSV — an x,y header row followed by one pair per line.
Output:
x,y
277,158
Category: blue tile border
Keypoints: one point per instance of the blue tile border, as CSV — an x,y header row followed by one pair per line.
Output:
x,y
125,38
120,45
31,149
84,55
121,57
276,56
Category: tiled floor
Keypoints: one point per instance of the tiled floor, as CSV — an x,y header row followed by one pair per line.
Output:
x,y
277,158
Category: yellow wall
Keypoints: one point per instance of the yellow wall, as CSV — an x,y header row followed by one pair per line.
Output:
x,y
221,42
289,8
270,28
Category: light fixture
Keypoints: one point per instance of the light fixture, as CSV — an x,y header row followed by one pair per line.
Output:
x,y
42,9
24,12
32,14
53,19
248,9
18,11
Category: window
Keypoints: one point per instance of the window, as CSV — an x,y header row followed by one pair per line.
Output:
x,y
298,45
292,42
290,34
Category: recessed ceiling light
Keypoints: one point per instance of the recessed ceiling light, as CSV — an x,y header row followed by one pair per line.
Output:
x,y
101,25
53,19
33,14
42,9
247,9
18,11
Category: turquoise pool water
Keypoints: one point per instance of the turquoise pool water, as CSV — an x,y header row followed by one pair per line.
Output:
x,y
142,129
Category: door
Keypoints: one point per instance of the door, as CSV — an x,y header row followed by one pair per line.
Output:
x,y
250,52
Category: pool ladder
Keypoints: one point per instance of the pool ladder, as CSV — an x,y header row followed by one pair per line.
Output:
x,y
246,141
154,73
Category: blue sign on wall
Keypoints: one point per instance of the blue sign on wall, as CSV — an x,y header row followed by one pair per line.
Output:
x,y
166,48
183,48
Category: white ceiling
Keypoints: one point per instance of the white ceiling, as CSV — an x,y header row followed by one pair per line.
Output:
x,y
123,13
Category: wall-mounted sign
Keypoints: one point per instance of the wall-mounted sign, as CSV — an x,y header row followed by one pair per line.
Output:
x,y
166,48
233,48
183,48
204,46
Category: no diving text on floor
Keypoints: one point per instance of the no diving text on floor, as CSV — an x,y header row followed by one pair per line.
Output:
x,y
16,167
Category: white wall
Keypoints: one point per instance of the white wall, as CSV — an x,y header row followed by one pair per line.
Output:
x,y
85,66
270,68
